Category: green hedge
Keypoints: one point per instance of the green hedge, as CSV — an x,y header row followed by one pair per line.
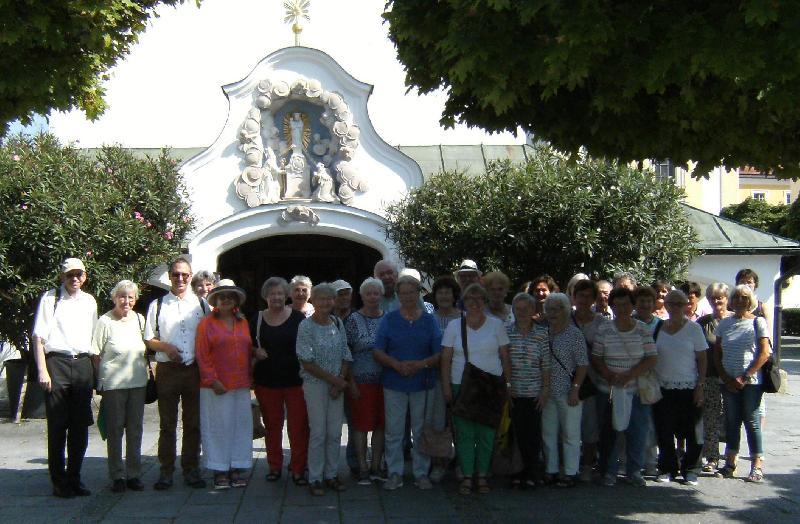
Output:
x,y
791,321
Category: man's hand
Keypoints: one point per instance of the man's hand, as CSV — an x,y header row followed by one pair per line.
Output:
x,y
173,353
44,380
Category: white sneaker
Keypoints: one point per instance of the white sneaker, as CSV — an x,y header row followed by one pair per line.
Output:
x,y
423,483
691,478
395,481
636,479
664,478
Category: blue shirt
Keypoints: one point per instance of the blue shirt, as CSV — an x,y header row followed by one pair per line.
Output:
x,y
405,340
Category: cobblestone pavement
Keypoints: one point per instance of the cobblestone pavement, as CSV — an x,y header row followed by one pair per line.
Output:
x,y
25,488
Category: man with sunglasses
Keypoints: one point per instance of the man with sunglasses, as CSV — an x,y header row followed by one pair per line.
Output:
x,y
170,331
62,343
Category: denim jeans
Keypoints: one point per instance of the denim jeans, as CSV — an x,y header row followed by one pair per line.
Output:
x,y
635,436
559,417
742,407
396,405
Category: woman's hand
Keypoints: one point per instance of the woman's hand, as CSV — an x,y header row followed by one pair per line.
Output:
x,y
218,388
447,393
621,379
354,392
572,398
733,385
260,353
542,400
334,392
699,397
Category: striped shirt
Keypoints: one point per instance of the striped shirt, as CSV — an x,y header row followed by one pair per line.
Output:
x,y
528,359
623,350
738,340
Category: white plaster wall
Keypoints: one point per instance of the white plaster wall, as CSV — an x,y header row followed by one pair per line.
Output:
x,y
723,268
167,91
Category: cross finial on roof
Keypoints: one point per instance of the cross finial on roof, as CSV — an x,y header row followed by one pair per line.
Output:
x,y
296,10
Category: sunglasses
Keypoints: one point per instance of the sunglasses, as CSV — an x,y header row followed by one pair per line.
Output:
x,y
184,276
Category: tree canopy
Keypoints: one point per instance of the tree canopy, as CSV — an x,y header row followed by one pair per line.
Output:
x,y
759,214
550,215
715,82
122,215
55,55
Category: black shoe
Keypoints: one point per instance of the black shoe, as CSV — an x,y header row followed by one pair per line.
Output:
x,y
164,482
63,491
118,486
80,490
194,480
135,485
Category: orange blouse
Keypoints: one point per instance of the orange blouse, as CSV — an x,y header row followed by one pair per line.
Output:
x,y
224,354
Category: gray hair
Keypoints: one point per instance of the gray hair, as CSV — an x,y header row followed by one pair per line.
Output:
x,y
717,288
475,289
371,282
619,277
407,279
558,299
272,282
300,280
743,289
523,297
323,288
204,275
577,277
125,286
676,293
386,262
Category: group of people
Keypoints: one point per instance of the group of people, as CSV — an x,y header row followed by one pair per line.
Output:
x,y
604,370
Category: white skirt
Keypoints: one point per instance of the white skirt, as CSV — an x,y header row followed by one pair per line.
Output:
x,y
226,429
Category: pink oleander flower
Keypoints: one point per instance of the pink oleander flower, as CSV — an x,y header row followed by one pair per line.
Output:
x,y
168,235
148,224
24,207
89,254
15,158
138,216
109,171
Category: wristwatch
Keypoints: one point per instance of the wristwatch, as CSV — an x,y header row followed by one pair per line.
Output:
x,y
576,386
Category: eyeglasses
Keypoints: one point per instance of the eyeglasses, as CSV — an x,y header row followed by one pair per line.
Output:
x,y
184,276
73,274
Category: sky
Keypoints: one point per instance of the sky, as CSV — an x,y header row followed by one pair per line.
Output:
x,y
167,91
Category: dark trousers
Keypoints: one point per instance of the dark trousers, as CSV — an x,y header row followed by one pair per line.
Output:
x,y
527,421
178,383
68,407
675,416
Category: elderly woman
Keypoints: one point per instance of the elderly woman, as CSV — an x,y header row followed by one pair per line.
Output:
x,y
623,350
681,371
366,393
407,346
497,285
741,348
713,417
224,351
325,360
488,348
530,381
299,289
122,377
278,386
584,296
562,407
203,282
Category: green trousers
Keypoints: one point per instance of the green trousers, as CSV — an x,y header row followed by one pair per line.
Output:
x,y
473,441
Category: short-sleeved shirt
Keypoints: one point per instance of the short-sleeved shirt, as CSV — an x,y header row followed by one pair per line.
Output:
x,y
326,346
177,324
677,354
738,339
444,320
528,359
402,339
66,326
709,323
223,353
483,346
121,348
361,333
570,348
280,369
622,350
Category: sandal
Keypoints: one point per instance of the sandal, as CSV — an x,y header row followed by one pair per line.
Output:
x,y
465,488
335,484
300,480
237,481
756,475
728,471
273,476
483,486
566,482
710,467
221,481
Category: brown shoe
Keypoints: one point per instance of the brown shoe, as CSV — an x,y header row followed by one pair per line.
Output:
x,y
316,489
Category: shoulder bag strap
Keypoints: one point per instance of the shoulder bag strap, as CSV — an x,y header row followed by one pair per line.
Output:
x,y
657,329
550,345
258,328
158,315
464,337
57,300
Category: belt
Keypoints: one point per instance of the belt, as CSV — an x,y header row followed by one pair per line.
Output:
x,y
62,354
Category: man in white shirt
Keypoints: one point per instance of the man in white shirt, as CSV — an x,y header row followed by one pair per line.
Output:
x,y
62,343
170,331
386,271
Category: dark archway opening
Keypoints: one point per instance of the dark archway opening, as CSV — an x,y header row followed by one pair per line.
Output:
x,y
321,258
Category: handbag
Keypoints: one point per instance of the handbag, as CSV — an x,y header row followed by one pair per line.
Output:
x,y
587,389
649,388
436,443
151,390
507,458
773,378
481,395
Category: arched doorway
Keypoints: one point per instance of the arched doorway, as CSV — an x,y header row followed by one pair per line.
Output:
x,y
320,257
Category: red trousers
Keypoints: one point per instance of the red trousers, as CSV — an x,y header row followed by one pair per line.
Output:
x,y
274,402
